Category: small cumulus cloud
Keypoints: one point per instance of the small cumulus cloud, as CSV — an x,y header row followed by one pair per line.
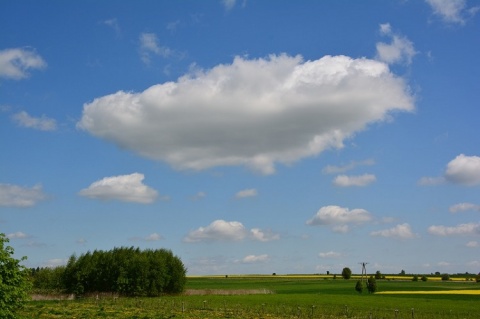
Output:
x,y
339,217
462,229
42,123
127,188
452,11
462,170
17,196
251,192
399,50
402,231
462,207
360,180
280,109
253,259
260,235
16,63
221,230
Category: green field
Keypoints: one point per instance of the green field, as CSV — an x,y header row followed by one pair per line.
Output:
x,y
278,297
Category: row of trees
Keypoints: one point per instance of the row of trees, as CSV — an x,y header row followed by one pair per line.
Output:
x,y
127,271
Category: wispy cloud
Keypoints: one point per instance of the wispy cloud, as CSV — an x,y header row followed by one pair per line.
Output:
x,y
453,11
462,229
16,63
149,45
330,254
42,123
402,231
115,25
18,235
251,192
360,180
17,196
260,235
462,207
127,188
333,169
252,259
399,50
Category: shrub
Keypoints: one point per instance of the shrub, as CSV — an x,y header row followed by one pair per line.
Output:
x,y
14,281
378,275
346,273
445,277
371,285
359,287
415,278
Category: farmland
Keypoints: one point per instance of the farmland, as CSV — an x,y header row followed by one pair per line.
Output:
x,y
279,297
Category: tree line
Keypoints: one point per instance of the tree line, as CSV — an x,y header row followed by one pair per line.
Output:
x,y
126,271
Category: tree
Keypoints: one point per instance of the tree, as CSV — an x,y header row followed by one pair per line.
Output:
x,y
445,277
371,285
346,273
359,286
378,275
14,281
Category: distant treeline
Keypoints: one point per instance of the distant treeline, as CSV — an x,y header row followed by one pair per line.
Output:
x,y
126,271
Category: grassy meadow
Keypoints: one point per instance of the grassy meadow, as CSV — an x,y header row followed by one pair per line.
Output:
x,y
279,297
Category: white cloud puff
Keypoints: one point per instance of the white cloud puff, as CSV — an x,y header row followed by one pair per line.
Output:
x,y
252,113
464,170
42,123
461,207
251,192
462,229
127,188
251,259
452,11
15,63
218,230
17,196
402,231
400,50
360,180
339,217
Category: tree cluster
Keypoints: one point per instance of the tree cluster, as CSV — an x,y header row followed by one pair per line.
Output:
x,y
127,271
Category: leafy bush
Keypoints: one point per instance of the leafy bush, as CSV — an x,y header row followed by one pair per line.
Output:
x,y
14,281
424,278
445,277
359,287
371,284
415,278
346,273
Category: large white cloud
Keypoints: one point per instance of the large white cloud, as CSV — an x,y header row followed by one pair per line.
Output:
x,y
253,113
359,180
127,188
339,217
464,170
15,63
17,196
462,229
402,231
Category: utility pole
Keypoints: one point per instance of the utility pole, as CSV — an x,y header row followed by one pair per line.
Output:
x,y
364,270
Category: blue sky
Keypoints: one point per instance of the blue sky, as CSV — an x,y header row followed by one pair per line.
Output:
x,y
245,136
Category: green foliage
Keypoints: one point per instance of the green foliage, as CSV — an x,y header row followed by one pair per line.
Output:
x,y
359,286
346,273
14,281
127,271
445,277
477,278
48,279
378,275
424,278
371,284
415,278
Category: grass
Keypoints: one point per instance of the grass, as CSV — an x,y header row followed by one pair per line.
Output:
x,y
293,297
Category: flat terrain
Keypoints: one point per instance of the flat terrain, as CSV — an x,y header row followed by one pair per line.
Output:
x,y
280,297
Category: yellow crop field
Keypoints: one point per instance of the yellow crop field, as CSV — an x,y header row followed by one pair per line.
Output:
x,y
430,292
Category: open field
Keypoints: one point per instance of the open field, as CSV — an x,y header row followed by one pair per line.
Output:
x,y
279,297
